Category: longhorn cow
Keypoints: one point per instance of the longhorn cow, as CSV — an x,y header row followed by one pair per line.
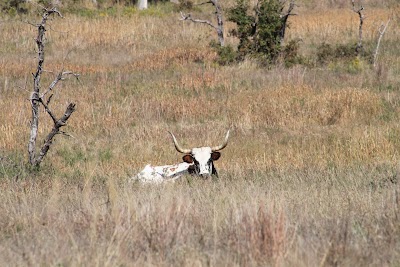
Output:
x,y
197,161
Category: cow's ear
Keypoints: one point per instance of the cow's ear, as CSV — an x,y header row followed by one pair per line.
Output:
x,y
215,155
187,158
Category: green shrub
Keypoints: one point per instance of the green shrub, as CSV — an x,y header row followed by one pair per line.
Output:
x,y
355,65
226,54
259,34
12,7
346,51
290,54
327,53
184,5
244,29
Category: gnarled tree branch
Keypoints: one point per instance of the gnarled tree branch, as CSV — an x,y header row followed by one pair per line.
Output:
x,y
56,130
189,17
219,27
60,76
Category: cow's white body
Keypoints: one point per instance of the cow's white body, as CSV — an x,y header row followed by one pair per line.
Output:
x,y
197,161
160,174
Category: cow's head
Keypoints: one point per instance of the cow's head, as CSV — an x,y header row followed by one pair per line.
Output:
x,y
201,157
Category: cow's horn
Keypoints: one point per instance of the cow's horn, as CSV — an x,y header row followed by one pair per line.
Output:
x,y
223,145
178,147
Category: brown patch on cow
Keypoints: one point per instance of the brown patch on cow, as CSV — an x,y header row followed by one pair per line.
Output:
x,y
215,155
187,159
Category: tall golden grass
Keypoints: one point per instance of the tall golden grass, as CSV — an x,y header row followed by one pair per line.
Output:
x,y
309,177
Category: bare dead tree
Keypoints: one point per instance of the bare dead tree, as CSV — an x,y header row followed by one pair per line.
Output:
x,y
218,14
284,18
37,99
381,30
142,4
362,17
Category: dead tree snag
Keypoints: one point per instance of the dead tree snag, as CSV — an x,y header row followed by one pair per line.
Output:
x,y
220,22
381,30
284,18
359,46
37,99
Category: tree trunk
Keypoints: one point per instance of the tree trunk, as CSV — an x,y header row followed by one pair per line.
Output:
x,y
142,4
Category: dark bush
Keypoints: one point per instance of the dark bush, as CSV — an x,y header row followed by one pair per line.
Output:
x,y
345,51
184,5
327,52
290,54
13,7
259,34
226,54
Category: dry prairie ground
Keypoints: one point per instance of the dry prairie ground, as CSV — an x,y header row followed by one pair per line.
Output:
x,y
310,176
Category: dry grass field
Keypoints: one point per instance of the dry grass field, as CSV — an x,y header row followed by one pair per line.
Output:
x,y
309,178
